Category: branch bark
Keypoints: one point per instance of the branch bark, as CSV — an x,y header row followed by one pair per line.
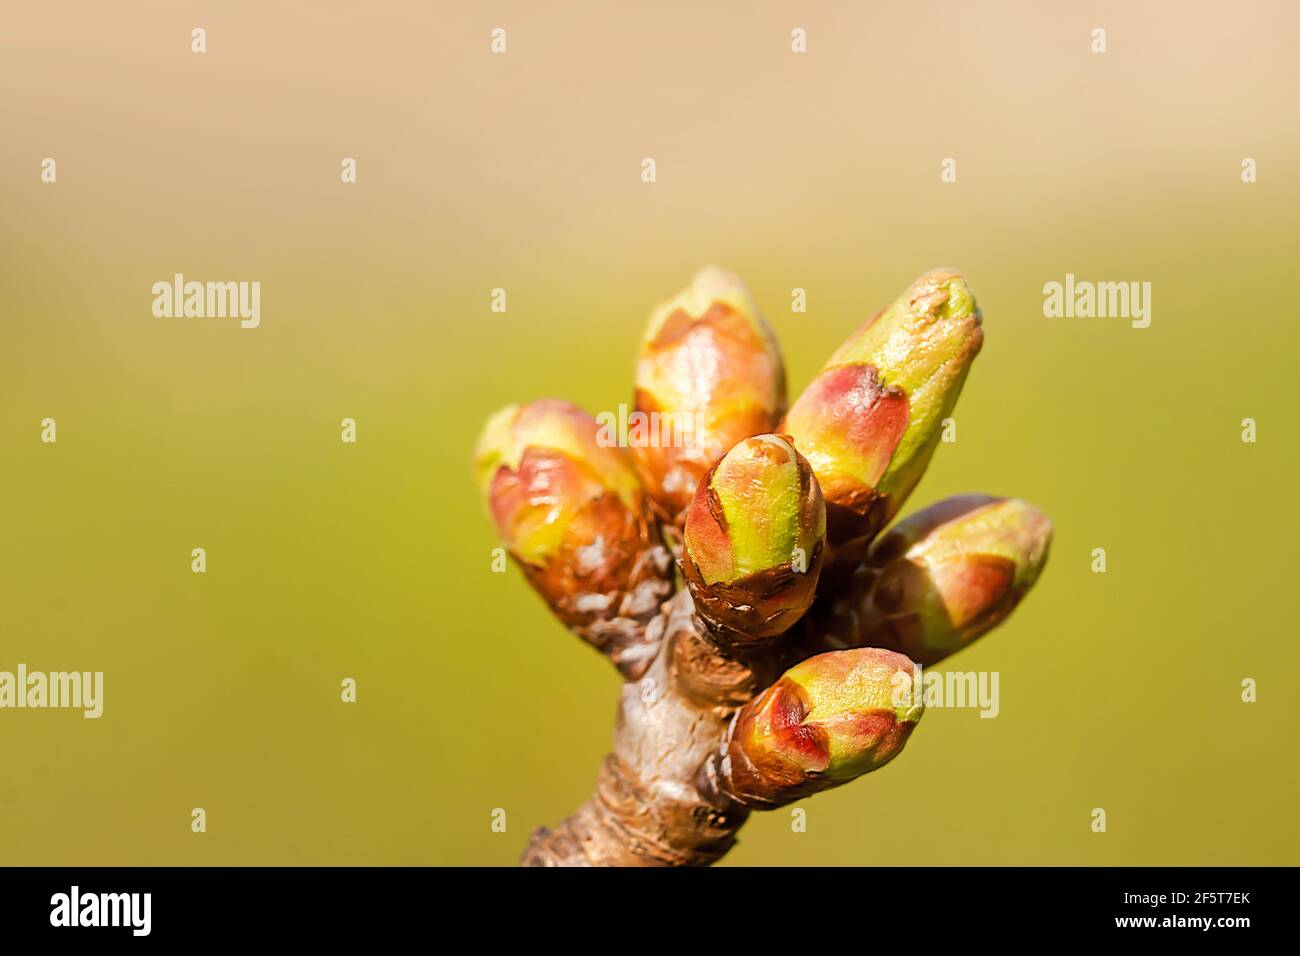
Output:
x,y
654,802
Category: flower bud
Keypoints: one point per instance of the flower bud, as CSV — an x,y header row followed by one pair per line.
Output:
x,y
942,577
870,421
709,374
571,512
754,539
826,721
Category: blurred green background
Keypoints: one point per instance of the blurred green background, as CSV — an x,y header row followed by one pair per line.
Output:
x,y
819,171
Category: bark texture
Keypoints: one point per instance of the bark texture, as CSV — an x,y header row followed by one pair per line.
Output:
x,y
654,802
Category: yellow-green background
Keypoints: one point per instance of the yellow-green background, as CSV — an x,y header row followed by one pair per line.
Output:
x,y
372,560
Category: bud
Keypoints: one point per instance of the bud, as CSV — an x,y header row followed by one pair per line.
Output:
x,y
826,721
571,512
711,367
872,418
754,540
941,578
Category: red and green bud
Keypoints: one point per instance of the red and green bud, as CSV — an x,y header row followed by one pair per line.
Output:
x,y
826,721
711,369
571,512
870,421
941,578
754,540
